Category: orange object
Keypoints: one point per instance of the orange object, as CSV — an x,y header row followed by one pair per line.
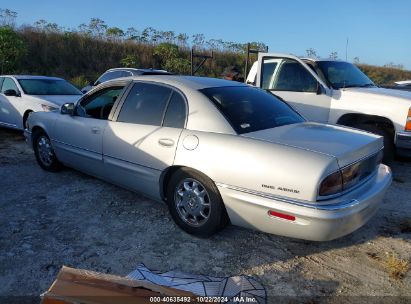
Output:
x,y
408,123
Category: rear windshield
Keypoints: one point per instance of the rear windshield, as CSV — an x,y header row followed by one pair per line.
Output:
x,y
48,87
250,109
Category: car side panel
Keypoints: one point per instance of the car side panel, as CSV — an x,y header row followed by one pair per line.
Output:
x,y
255,165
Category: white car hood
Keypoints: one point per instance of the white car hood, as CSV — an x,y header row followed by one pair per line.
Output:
x,y
58,100
346,144
382,92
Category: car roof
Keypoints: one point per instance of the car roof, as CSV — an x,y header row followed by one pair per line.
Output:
x,y
32,77
136,70
321,59
189,82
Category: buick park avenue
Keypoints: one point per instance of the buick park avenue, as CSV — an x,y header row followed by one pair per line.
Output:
x,y
218,152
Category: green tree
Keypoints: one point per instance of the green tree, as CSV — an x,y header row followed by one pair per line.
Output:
x,y
12,49
170,60
130,61
114,33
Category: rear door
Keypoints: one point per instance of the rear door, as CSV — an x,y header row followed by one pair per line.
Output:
x,y
291,79
140,143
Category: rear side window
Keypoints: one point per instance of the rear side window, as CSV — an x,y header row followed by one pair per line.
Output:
x,y
145,104
175,116
250,109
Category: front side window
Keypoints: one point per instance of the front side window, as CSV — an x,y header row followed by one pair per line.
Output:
x,y
9,84
145,104
99,104
341,74
290,75
48,87
250,109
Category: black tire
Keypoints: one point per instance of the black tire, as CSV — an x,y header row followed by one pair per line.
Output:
x,y
26,116
39,139
217,215
389,147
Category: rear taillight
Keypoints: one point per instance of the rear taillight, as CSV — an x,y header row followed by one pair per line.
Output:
x,y
408,122
348,177
332,184
351,175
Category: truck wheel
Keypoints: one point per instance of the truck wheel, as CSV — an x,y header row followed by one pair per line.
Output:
x,y
195,203
44,152
389,147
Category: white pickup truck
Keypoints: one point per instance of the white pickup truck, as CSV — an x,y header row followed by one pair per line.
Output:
x,y
337,92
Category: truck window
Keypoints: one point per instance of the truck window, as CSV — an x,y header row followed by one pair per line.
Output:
x,y
289,76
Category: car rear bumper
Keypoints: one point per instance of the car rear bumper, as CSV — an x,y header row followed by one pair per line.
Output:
x,y
317,222
403,143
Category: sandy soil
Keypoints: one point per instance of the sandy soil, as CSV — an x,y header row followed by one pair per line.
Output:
x,y
52,219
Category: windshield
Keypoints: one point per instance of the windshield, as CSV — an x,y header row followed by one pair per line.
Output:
x,y
343,75
48,87
250,109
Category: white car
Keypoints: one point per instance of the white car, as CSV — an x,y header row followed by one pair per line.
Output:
x,y
21,95
218,150
116,73
337,92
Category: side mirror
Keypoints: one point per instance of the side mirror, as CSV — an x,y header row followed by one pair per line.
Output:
x,y
320,89
67,109
11,92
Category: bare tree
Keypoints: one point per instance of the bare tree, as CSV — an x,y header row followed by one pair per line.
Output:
x,y
8,18
311,53
333,55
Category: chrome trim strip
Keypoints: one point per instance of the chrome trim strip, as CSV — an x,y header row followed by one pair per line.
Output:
x,y
407,135
331,207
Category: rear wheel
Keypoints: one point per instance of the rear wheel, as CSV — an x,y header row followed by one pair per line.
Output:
x,y
44,152
389,147
195,203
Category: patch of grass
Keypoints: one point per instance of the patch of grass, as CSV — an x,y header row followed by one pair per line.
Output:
x,y
396,267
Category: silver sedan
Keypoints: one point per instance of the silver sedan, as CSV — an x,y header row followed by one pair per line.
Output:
x,y
217,152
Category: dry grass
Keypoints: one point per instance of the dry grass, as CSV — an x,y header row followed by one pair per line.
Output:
x,y
396,267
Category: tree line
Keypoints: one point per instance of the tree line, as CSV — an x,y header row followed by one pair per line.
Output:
x,y
83,53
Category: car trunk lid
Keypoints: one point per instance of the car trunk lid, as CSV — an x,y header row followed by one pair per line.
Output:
x,y
347,145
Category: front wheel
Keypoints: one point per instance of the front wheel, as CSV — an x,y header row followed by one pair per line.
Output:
x,y
195,203
44,152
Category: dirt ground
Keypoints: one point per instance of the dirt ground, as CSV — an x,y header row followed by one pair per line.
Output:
x,y
52,219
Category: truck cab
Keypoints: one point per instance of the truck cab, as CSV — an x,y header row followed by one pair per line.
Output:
x,y
337,92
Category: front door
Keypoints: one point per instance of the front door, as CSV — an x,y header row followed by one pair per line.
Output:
x,y
291,79
140,143
78,139
9,114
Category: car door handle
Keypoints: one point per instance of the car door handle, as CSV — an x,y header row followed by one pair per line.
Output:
x,y
166,142
95,130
